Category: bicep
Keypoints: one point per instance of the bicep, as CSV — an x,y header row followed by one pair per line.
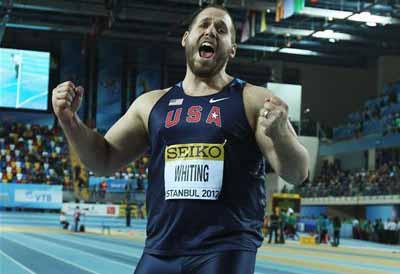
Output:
x,y
127,139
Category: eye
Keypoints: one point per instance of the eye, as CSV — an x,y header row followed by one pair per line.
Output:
x,y
203,25
221,30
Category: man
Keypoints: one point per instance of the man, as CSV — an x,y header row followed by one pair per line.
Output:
x,y
273,227
63,220
128,213
17,62
207,137
337,225
282,225
77,218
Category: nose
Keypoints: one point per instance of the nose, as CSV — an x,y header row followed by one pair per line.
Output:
x,y
211,31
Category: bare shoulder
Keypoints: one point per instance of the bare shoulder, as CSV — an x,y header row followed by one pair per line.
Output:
x,y
253,100
143,105
255,95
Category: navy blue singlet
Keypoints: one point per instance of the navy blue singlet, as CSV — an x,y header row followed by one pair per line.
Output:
x,y
206,175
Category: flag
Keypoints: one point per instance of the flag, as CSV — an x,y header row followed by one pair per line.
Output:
x,y
175,102
279,11
253,24
245,29
288,8
299,5
263,25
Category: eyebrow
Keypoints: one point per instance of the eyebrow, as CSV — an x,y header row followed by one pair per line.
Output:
x,y
210,18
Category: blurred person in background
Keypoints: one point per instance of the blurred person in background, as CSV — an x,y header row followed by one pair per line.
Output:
x,y
273,227
77,218
63,220
336,225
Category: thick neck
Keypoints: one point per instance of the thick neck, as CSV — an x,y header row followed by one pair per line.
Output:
x,y
198,86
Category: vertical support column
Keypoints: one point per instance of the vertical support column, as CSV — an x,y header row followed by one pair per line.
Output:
x,y
73,68
371,158
109,83
149,69
388,71
91,83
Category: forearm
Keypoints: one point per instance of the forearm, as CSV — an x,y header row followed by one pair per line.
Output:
x,y
292,158
90,146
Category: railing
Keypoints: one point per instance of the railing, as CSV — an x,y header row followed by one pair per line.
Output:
x,y
354,200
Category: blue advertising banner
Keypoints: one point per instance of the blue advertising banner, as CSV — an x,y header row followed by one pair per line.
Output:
x,y
113,185
109,86
31,196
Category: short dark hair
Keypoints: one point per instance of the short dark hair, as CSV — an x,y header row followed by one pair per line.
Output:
x,y
193,17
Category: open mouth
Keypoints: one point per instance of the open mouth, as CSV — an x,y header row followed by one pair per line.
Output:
x,y
206,50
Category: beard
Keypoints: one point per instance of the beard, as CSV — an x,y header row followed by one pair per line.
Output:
x,y
202,67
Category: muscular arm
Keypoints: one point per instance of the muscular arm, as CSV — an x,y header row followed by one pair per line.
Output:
x,y
126,140
287,156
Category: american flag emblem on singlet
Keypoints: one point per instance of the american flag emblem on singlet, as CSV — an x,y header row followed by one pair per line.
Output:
x,y
175,102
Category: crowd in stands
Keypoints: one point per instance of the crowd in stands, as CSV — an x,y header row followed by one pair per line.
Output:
x,y
40,155
335,182
33,154
380,115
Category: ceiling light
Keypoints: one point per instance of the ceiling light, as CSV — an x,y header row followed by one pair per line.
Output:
x,y
328,34
339,14
318,12
268,10
257,47
332,40
298,51
370,18
371,24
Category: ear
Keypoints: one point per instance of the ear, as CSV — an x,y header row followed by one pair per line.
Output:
x,y
185,36
233,50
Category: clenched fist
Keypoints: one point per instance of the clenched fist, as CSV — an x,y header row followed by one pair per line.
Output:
x,y
274,117
66,100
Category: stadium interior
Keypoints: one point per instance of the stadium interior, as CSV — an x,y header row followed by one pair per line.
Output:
x,y
336,63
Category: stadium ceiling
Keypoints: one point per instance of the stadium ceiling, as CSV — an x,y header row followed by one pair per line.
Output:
x,y
342,31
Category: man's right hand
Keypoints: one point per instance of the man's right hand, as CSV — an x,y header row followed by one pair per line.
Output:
x,y
66,100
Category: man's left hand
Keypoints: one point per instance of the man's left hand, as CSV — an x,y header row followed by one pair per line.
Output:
x,y
274,118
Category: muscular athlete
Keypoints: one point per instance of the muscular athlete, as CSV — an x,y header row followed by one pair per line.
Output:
x,y
208,136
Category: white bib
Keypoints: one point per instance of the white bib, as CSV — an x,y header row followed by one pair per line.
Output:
x,y
193,171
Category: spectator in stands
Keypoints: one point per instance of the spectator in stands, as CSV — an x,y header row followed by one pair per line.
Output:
x,y
32,154
103,189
